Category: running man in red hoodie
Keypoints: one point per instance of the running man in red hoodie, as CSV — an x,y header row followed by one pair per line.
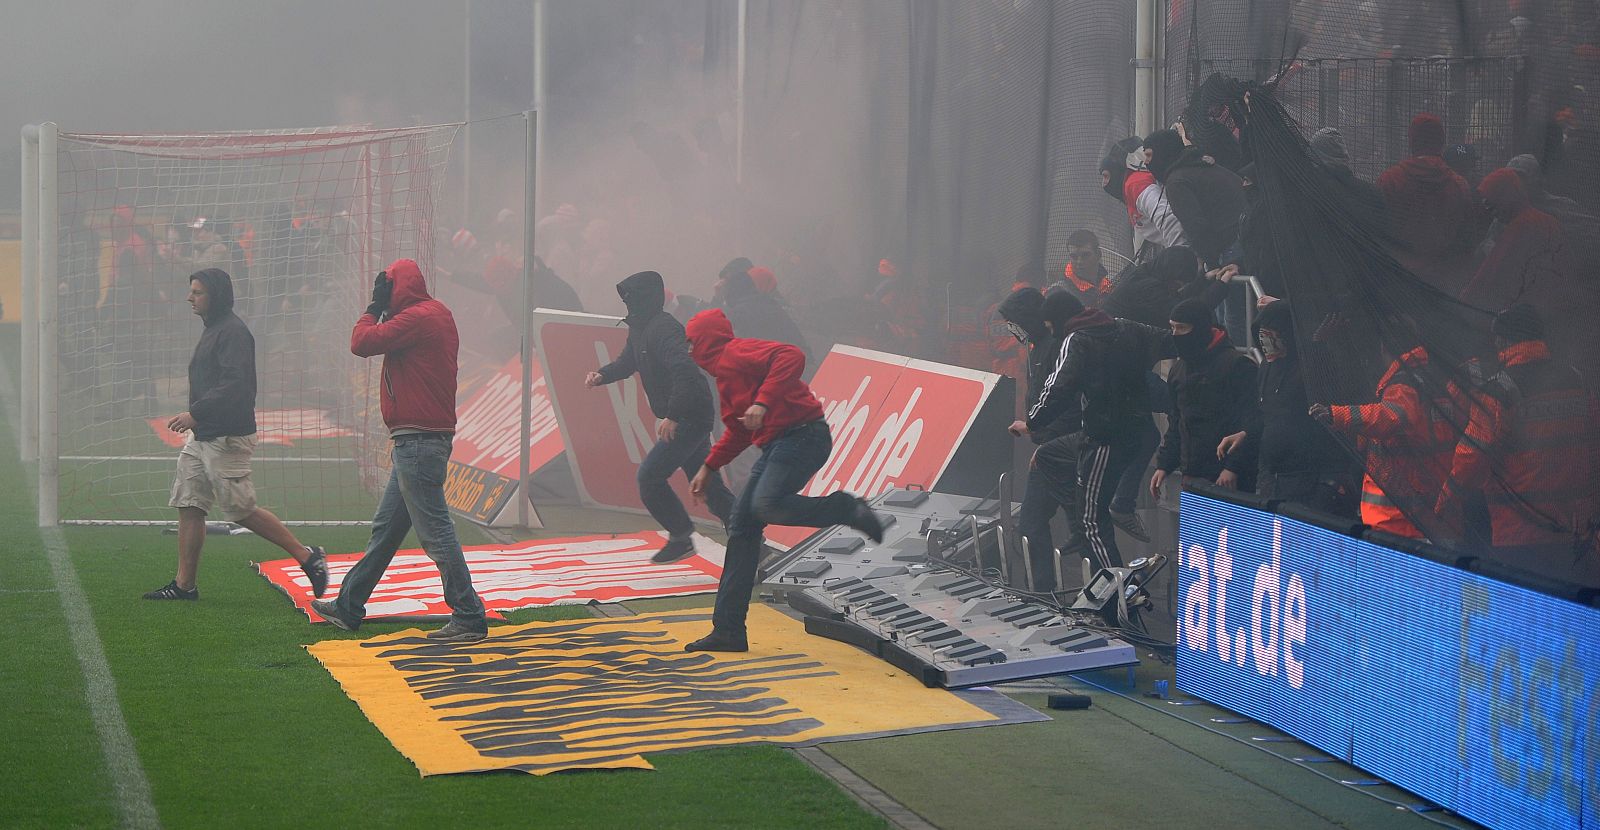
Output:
x,y
764,402
417,337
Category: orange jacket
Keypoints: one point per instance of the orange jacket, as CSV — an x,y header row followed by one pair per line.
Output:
x,y
1408,445
1532,447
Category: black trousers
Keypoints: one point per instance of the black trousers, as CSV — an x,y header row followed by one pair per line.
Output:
x,y
1100,466
1052,485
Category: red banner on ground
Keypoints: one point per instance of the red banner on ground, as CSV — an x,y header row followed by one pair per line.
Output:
x,y
282,427
538,572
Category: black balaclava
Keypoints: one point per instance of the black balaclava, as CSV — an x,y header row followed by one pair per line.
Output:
x,y
1022,308
1165,146
1194,344
1277,318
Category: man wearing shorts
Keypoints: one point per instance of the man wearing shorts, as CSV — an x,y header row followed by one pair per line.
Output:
x,y
214,466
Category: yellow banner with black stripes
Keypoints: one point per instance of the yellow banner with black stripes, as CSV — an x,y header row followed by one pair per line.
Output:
x,y
601,693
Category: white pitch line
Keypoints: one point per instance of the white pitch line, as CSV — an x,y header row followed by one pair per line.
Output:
x,y
116,742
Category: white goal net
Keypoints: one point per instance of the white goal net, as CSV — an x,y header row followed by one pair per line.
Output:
x,y
301,220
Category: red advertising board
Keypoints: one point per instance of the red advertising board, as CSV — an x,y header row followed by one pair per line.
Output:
x,y
488,428
607,430
895,421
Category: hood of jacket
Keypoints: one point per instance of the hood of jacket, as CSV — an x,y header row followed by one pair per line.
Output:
x,y
1023,306
709,334
409,286
1190,157
738,284
1428,175
219,293
1503,192
1176,265
644,293
1165,147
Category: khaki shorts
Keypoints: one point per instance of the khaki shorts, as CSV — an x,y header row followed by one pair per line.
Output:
x,y
216,472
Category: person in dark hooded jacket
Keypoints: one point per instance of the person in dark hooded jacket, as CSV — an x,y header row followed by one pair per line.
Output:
x,y
214,466
658,350
1206,197
1298,459
1053,471
1102,364
1213,396
1147,292
417,337
757,314
765,403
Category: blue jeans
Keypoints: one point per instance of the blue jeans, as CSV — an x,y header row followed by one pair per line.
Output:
x,y
769,497
414,498
686,451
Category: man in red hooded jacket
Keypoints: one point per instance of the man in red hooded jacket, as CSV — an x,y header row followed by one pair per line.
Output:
x,y
1429,207
1530,262
764,402
416,335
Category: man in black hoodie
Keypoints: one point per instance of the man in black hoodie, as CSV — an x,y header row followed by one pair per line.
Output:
x,y
1299,459
1053,470
214,466
1101,363
678,394
1213,396
1206,197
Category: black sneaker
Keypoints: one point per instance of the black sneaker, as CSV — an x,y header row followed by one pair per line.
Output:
x,y
1131,525
674,550
718,641
316,569
866,520
329,610
172,591
458,632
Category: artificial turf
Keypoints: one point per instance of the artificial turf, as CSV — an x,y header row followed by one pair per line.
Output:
x,y
236,725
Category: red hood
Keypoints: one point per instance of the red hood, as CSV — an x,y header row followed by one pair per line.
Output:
x,y
1503,192
709,334
1429,174
409,286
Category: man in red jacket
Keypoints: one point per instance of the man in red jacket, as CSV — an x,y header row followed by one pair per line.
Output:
x,y
764,402
417,337
1429,207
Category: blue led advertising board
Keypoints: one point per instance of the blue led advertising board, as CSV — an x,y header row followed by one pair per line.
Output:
x,y
1475,694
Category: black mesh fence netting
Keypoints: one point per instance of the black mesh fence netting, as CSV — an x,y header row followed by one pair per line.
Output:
x,y
1490,450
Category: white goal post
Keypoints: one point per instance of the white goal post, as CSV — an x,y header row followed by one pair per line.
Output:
x,y
301,219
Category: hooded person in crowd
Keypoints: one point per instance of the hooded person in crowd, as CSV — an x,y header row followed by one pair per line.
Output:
x,y
1213,388
755,313
1206,197
1053,471
1430,208
1101,367
1147,292
1327,145
214,464
417,336
1125,176
765,403
1527,167
658,351
1530,261
1298,460
1532,450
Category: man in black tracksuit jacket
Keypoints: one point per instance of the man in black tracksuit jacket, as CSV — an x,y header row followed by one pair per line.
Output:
x,y
1213,396
678,394
1102,363
1053,471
